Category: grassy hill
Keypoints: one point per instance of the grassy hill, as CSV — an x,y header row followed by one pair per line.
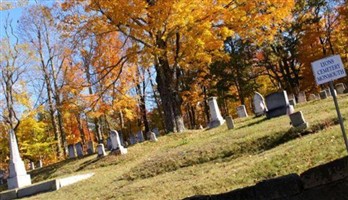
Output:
x,y
207,161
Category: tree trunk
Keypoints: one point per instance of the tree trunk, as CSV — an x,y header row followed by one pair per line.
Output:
x,y
171,101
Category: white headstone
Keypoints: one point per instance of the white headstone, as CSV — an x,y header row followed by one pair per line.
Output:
x,y
32,165
153,137
215,115
301,97
101,150
72,151
40,163
259,104
18,176
340,88
241,111
116,142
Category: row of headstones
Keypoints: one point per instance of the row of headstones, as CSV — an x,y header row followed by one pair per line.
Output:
x,y
114,143
32,165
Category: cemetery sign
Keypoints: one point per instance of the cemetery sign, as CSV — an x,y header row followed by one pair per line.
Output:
x,y
328,69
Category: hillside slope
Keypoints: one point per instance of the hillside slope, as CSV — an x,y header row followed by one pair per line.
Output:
x,y
208,161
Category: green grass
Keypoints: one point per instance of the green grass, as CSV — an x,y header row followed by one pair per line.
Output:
x,y
208,161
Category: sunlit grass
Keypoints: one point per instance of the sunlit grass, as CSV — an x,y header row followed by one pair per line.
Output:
x,y
208,161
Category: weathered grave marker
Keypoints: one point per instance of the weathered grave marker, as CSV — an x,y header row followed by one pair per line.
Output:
x,y
152,137
298,121
79,149
72,151
327,70
301,97
215,115
278,104
140,136
312,97
116,143
241,111
259,104
340,88
229,122
323,94
101,150
90,147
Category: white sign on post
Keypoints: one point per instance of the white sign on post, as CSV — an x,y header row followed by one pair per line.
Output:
x,y
328,69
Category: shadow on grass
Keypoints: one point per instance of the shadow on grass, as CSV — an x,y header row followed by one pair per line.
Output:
x,y
253,123
87,163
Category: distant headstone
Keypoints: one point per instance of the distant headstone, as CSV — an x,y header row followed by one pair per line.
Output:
x,y
72,151
40,164
241,111
108,144
215,115
101,150
18,176
328,92
32,165
312,97
298,121
90,147
153,137
291,96
259,104
116,143
156,131
340,88
132,139
229,122
2,174
278,104
292,102
201,127
323,94
140,136
79,149
301,97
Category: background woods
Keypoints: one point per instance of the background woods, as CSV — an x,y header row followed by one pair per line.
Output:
x,y
72,71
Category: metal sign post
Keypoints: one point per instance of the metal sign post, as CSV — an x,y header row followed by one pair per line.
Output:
x,y
333,93
327,70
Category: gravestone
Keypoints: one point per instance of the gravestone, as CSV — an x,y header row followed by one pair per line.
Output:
x,y
116,143
278,104
323,94
241,111
101,150
301,97
90,147
71,151
18,176
152,137
215,115
32,165
132,139
340,88
108,144
201,127
298,121
292,102
328,92
312,97
156,131
229,122
259,104
79,149
140,136
40,164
